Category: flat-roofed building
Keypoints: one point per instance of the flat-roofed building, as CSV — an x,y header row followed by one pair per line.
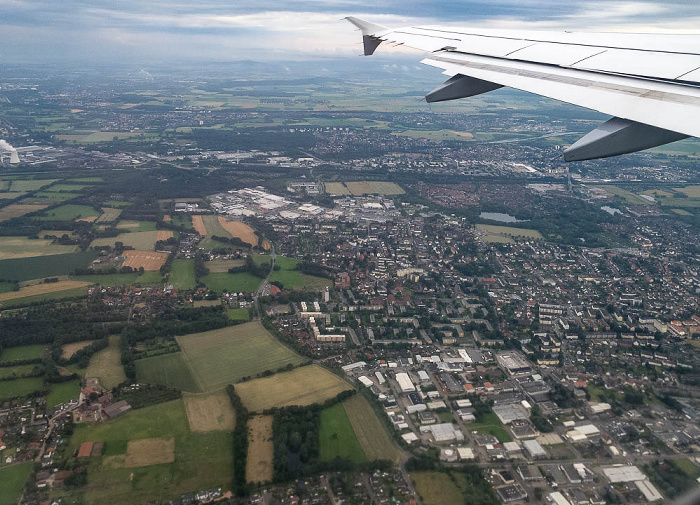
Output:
x,y
405,382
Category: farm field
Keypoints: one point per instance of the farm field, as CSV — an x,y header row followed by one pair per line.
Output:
x,y
106,364
238,314
148,278
37,290
336,189
224,356
241,282
371,433
23,247
58,295
51,265
184,220
149,260
139,240
18,371
6,286
240,230
509,231
21,353
436,488
294,279
210,411
56,197
68,350
199,460
68,213
109,215
182,274
167,369
198,224
12,481
337,438
62,392
259,463
67,187
359,188
20,387
302,386
222,266
627,196
689,191
165,234
30,185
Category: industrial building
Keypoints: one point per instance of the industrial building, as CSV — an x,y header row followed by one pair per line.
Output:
x,y
405,382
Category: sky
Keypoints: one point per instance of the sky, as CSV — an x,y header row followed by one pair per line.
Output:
x,y
170,31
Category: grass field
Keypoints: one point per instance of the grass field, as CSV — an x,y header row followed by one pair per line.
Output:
x,y
210,411
213,225
294,279
201,460
68,350
106,364
436,488
148,260
144,452
19,209
109,215
238,314
336,189
62,392
371,433
302,386
58,295
24,352
182,274
12,480
627,196
241,282
490,425
222,266
226,355
23,269
37,291
259,463
23,247
152,278
20,387
56,197
509,231
67,187
18,371
30,185
69,212
240,230
337,438
690,191
688,467
168,369
139,240
359,188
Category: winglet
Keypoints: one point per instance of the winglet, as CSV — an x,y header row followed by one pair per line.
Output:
x,y
371,33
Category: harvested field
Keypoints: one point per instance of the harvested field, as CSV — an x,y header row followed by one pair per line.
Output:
x,y
240,230
370,431
131,225
198,224
260,450
23,247
42,289
167,218
302,386
106,364
164,234
209,412
359,188
386,188
689,191
222,266
146,259
90,219
149,451
336,189
139,240
68,350
109,215
18,209
224,356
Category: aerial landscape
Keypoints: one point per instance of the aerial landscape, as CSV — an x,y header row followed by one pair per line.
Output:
x,y
265,282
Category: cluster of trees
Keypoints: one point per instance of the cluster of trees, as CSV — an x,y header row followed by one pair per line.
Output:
x,y
296,442
540,420
669,477
40,328
147,395
82,356
309,268
240,442
200,269
252,268
234,241
563,396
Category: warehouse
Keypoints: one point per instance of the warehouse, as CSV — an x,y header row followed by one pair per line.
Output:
x,y
534,449
405,382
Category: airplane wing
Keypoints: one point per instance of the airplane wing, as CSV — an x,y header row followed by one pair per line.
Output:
x,y
649,83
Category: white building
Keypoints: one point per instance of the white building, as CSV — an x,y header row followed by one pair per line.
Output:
x,y
405,382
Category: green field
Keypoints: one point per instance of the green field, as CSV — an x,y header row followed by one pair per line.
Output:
x,y
20,387
56,295
67,187
12,481
106,364
23,247
30,185
688,467
167,369
509,231
68,213
182,274
490,425
18,371
226,355
61,393
201,460
436,488
117,203
24,352
24,269
139,240
627,196
238,314
241,282
289,277
337,438
370,431
56,196
184,220
148,278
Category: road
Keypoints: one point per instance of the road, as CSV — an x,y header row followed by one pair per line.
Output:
x,y
264,289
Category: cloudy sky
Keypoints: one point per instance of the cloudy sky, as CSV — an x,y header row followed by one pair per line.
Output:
x,y
152,31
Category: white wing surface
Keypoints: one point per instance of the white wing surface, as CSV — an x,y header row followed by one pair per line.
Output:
x,y
650,83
